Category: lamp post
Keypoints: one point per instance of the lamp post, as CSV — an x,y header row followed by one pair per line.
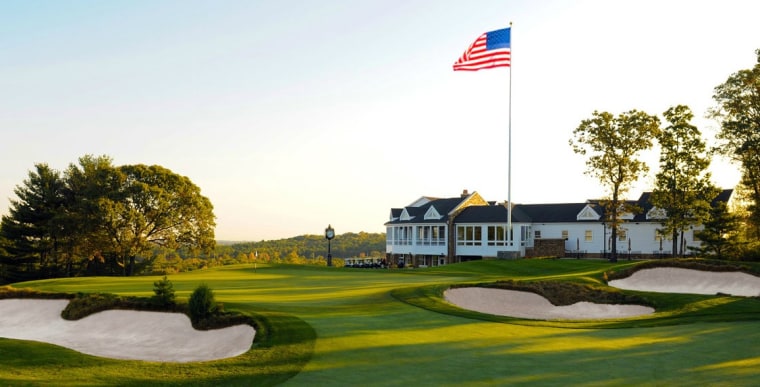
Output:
x,y
329,235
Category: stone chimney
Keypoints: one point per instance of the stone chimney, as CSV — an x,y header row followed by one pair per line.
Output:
x,y
465,193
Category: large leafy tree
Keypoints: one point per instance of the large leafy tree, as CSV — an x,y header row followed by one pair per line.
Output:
x,y
613,145
155,206
90,188
682,186
133,208
738,111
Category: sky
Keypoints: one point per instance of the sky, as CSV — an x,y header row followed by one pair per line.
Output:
x,y
292,115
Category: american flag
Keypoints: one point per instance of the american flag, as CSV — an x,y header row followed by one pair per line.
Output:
x,y
492,49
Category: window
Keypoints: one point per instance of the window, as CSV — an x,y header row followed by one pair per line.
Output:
x,y
589,236
497,235
622,235
431,235
469,235
537,234
403,235
565,235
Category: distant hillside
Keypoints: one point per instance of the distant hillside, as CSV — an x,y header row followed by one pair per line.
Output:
x,y
312,246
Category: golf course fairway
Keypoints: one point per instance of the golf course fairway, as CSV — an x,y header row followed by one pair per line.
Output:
x,y
345,327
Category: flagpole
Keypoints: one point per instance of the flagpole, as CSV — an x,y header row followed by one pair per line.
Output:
x,y
509,140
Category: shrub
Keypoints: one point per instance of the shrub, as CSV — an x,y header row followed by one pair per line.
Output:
x,y
201,303
164,293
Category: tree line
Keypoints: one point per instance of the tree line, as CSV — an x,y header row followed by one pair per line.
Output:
x,y
683,187
303,250
96,218
306,248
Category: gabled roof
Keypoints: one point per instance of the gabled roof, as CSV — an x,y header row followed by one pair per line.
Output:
x,y
445,208
646,206
417,213
476,210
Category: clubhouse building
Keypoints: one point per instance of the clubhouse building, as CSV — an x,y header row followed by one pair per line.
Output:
x,y
434,231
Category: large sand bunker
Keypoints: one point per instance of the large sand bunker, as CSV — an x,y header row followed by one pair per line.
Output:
x,y
122,334
513,303
528,305
677,280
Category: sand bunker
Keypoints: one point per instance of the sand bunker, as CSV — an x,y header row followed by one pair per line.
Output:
x,y
677,280
513,303
663,280
122,334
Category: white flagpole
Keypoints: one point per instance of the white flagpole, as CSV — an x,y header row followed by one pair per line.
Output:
x,y
509,157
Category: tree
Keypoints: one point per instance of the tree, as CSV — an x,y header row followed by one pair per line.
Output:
x,y
158,207
738,111
89,190
613,145
34,227
163,292
682,186
201,304
135,207
720,236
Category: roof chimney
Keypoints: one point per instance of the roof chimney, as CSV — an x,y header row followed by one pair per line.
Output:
x,y
465,193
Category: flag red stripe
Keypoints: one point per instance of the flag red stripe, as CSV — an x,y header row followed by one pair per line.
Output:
x,y
478,57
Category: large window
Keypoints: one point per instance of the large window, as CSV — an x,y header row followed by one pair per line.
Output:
x,y
622,235
402,235
497,235
589,236
469,236
431,235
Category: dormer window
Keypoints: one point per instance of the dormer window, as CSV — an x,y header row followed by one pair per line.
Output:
x,y
405,215
588,213
657,213
432,213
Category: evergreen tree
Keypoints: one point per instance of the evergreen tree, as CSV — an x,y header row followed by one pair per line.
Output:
x,y
34,229
163,292
720,236
201,304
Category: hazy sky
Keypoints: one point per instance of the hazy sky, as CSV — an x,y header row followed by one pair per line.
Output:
x,y
292,115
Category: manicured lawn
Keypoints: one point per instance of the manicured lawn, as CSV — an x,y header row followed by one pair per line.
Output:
x,y
331,326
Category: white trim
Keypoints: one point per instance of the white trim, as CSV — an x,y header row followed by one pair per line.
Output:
x,y
432,213
588,213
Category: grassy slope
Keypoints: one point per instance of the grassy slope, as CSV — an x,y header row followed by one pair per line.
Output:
x,y
344,327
